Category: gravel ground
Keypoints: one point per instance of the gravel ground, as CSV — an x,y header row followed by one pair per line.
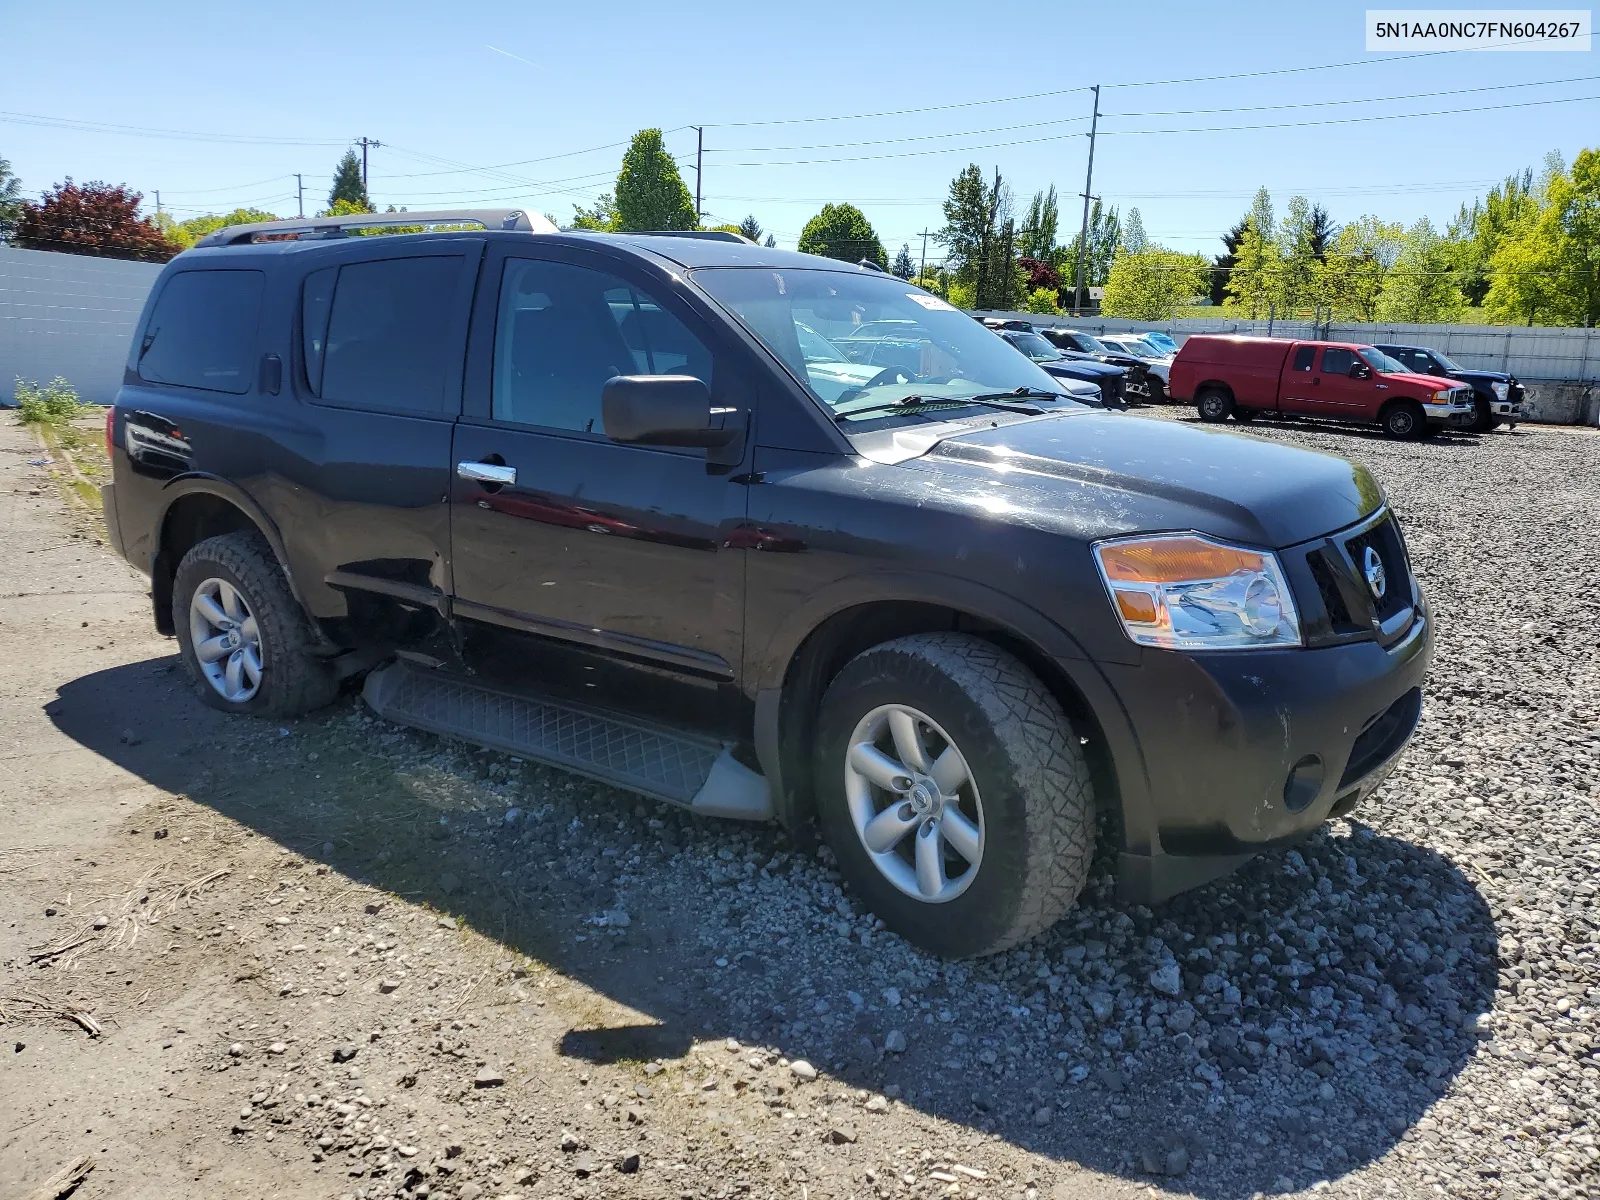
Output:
x,y
475,977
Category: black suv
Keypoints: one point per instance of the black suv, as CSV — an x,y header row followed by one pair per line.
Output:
x,y
649,508
1497,396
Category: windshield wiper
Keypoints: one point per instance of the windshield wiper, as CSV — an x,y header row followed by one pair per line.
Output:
x,y
985,399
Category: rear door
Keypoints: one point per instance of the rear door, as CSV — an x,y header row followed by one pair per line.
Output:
x,y
1298,394
582,566
361,495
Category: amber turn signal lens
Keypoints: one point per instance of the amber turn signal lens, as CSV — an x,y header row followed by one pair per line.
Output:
x,y
1138,607
1174,560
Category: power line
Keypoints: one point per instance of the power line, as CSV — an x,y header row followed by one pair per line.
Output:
x,y
1496,87
923,137
1442,112
16,118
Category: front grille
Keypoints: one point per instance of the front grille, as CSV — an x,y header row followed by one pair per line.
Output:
x,y
1385,539
1383,736
1332,599
1111,389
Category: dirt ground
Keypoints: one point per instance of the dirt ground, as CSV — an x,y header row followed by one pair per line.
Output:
x,y
335,958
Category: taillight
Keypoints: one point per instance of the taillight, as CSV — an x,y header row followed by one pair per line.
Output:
x,y
111,425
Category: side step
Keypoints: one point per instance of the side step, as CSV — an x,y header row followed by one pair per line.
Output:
x,y
698,773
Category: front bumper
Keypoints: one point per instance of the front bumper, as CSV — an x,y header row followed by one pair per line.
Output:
x,y
1253,750
1448,414
1509,409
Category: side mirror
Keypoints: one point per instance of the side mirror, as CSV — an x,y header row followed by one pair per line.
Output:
x,y
666,410
1360,370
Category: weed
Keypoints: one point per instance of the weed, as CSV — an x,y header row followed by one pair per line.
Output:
x,y
55,403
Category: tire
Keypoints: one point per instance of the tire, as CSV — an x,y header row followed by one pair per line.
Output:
x,y
1496,422
1214,405
1404,420
290,679
1483,419
1022,787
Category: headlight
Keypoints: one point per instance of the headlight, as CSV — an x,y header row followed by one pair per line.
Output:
x,y
1187,592
1501,390
1446,394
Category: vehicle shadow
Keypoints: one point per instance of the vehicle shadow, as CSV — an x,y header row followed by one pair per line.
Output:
x,y
1363,958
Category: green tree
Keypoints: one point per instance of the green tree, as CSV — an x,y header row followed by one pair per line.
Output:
x,y
1252,284
1134,240
1477,231
840,231
904,267
1041,300
751,228
1151,284
1421,290
602,217
1356,266
1296,278
1547,267
980,236
1222,264
348,187
650,192
10,200
1038,234
771,242
1105,234
196,228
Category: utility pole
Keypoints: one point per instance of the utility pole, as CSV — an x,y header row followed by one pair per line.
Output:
x,y
300,192
365,144
158,205
1088,186
923,270
699,152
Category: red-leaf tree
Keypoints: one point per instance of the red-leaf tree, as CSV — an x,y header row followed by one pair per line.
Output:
x,y
1040,274
92,218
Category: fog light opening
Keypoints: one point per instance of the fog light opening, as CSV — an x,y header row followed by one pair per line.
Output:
x,y
1304,783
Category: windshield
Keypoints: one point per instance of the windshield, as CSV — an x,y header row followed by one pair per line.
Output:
x,y
1134,347
1444,362
1379,361
1034,346
1091,345
1161,341
858,341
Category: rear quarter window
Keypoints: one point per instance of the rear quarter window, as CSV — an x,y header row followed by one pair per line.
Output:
x,y
202,332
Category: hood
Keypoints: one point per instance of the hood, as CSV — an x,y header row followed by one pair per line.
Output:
x,y
1429,383
1486,376
1106,474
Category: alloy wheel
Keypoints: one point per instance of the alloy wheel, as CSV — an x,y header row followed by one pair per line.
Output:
x,y
914,803
226,640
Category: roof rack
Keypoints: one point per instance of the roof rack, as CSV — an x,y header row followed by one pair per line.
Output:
x,y
703,235
516,219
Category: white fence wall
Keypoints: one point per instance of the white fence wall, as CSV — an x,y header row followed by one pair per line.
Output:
x,y
70,315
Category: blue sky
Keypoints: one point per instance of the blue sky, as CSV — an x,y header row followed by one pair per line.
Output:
x,y
286,89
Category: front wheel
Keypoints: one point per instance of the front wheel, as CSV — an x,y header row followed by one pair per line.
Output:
x,y
954,793
1214,404
243,637
1483,419
1404,420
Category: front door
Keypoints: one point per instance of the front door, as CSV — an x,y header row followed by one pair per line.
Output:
x,y
1336,394
582,566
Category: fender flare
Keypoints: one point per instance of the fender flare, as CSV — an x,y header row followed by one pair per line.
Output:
x,y
203,483
771,672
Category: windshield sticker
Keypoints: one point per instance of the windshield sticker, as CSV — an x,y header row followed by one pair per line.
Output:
x,y
931,303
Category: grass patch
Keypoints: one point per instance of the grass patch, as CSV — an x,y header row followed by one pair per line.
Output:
x,y
53,403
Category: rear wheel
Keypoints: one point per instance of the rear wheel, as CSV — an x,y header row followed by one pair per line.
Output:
x,y
954,793
1404,420
1214,405
243,637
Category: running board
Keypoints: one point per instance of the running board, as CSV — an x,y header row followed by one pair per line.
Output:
x,y
698,773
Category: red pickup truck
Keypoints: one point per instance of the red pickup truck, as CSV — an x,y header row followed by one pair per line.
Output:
x,y
1247,376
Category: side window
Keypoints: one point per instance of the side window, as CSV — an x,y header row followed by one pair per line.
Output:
x,y
316,300
202,333
561,331
1303,356
1337,361
388,334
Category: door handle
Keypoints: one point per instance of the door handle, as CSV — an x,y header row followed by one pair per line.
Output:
x,y
483,472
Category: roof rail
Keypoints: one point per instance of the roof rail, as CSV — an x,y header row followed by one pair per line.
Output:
x,y
517,219
704,235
